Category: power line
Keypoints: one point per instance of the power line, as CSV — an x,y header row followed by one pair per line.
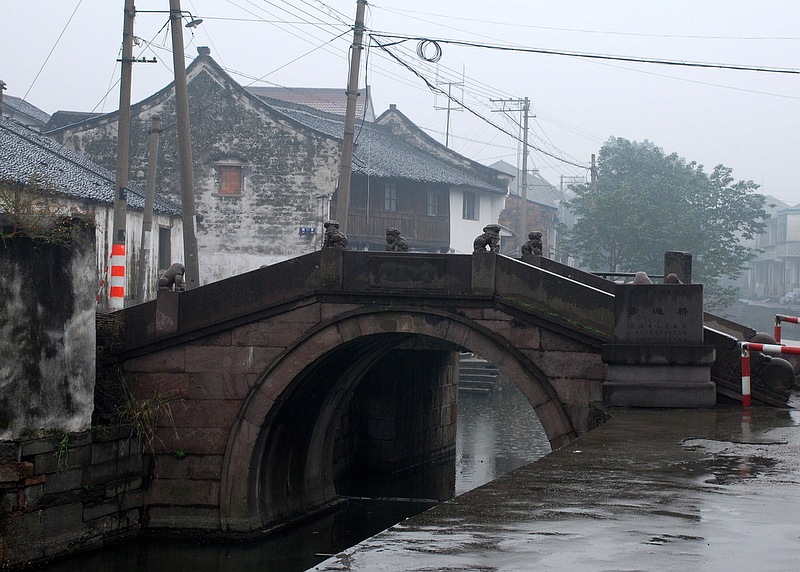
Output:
x,y
450,17
588,55
47,59
437,89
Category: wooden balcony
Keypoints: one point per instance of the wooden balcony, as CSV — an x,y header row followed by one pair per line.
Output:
x,y
422,231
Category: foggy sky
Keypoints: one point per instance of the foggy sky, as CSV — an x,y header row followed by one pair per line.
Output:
x,y
749,121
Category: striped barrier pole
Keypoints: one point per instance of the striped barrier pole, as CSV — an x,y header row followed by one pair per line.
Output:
x,y
770,349
781,318
116,299
745,375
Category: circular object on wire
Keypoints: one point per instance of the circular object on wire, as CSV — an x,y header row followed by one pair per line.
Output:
x,y
422,51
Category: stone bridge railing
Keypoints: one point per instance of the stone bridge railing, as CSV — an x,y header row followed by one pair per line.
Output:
x,y
374,278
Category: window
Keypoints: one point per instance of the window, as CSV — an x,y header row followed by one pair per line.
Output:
x,y
433,203
390,197
164,249
471,207
230,179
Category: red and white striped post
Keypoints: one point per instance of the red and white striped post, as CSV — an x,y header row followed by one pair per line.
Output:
x,y
745,375
781,318
770,349
116,298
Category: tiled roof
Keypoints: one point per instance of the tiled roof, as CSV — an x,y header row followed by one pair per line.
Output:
x,y
539,189
25,155
21,106
329,100
63,118
380,153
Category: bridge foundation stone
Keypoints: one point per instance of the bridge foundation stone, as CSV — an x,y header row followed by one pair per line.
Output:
x,y
658,358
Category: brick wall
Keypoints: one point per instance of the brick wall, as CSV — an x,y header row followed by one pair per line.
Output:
x,y
68,492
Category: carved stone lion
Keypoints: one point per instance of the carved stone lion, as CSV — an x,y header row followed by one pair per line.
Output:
x,y
394,241
534,243
172,279
489,240
334,238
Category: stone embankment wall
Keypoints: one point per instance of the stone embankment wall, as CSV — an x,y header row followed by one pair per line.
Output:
x,y
68,492
63,486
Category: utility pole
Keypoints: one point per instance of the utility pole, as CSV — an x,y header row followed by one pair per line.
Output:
x,y
523,209
146,248
594,174
191,263
524,107
346,161
118,246
450,107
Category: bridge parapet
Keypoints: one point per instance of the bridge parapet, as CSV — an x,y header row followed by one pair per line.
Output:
x,y
371,278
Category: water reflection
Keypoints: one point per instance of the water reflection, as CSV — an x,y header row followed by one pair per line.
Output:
x,y
496,434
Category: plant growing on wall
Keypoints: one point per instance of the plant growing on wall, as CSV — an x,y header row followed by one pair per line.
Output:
x,y
144,414
28,209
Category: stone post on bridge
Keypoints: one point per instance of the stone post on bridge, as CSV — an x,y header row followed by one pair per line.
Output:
x,y
658,358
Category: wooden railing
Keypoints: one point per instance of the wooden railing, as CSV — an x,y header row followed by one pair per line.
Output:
x,y
421,228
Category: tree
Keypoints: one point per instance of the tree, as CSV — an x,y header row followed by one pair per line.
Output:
x,y
647,203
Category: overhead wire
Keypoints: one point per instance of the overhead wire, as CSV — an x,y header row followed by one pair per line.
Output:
x,y
590,55
451,17
436,88
421,53
47,59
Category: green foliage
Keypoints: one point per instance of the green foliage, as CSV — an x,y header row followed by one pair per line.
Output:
x,y
647,203
61,452
145,414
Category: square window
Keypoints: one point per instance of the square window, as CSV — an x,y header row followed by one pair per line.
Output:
x,y
164,249
390,197
229,179
433,203
471,209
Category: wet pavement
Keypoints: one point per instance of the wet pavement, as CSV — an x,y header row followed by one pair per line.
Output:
x,y
649,490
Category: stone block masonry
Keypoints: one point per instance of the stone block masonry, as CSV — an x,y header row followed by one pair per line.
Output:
x,y
68,492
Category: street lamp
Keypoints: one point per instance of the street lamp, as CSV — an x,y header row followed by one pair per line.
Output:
x,y
192,23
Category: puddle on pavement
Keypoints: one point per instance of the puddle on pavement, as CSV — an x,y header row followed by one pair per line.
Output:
x,y
725,467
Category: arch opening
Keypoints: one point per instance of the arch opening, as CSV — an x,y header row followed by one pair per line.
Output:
x,y
337,407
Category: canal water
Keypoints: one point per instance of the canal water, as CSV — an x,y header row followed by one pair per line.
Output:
x,y
496,433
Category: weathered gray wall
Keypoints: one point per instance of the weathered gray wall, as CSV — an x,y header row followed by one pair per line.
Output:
x,y
285,167
47,334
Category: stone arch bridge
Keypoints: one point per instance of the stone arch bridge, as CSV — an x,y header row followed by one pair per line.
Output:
x,y
288,377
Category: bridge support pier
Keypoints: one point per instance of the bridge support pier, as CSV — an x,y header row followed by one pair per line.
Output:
x,y
402,418
658,358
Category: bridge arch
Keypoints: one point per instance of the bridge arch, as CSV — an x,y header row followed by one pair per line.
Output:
x,y
292,411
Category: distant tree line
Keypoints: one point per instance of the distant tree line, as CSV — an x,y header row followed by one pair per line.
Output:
x,y
647,202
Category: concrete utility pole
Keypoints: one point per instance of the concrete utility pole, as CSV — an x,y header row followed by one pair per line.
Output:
x,y
191,263
118,246
594,174
523,207
346,162
146,248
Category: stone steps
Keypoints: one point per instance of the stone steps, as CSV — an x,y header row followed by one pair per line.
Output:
x,y
476,375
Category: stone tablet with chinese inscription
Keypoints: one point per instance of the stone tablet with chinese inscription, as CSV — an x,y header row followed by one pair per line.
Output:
x,y
659,314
